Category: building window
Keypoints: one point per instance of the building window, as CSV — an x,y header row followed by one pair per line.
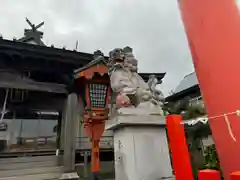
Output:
x,y
196,101
98,94
17,95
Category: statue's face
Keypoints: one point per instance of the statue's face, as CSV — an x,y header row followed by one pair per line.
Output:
x,y
117,54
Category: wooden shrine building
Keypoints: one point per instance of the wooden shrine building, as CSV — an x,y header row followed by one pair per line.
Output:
x,y
35,83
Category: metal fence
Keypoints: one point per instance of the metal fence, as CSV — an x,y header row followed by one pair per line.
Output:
x,y
106,142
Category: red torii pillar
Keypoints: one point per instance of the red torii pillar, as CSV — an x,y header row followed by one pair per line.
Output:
x,y
179,148
213,32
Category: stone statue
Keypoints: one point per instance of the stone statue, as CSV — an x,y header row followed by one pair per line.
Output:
x,y
137,104
130,88
157,93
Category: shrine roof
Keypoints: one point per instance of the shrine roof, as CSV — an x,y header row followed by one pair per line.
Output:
x,y
96,61
29,38
103,59
81,59
24,49
99,60
188,81
145,76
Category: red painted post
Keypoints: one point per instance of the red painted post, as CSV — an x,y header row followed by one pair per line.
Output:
x,y
235,175
209,174
178,146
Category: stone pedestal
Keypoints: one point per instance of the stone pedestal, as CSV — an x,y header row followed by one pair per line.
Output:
x,y
140,146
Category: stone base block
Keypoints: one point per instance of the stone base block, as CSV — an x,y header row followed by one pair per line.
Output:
x,y
140,147
73,176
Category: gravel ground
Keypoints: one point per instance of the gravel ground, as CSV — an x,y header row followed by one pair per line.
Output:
x,y
107,171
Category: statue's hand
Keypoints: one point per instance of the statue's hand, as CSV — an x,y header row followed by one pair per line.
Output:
x,y
144,95
122,100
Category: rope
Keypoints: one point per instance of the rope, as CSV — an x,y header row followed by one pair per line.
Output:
x,y
229,128
204,120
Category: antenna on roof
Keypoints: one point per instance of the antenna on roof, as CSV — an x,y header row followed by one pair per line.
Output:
x,y
76,48
171,92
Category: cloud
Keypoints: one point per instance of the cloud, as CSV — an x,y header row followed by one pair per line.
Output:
x,y
154,30
238,2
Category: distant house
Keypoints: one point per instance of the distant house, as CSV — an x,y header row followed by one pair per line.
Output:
x,y
187,88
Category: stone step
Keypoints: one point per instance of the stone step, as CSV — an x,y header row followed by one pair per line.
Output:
x,y
48,176
28,159
26,165
30,171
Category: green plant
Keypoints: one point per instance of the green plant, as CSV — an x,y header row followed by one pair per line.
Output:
x,y
211,158
185,109
176,107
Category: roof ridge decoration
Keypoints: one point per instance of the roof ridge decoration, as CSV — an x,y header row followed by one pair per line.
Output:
x,y
33,34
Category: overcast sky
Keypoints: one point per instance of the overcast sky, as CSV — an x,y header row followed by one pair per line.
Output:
x,y
154,30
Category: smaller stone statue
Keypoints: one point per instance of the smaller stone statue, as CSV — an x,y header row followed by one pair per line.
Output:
x,y
157,93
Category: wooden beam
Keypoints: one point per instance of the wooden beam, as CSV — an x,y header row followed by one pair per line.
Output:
x,y
18,80
71,118
34,86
